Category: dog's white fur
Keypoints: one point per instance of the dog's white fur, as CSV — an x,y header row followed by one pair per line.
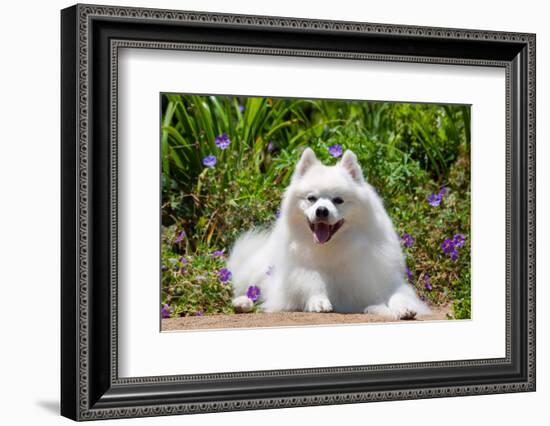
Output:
x,y
360,269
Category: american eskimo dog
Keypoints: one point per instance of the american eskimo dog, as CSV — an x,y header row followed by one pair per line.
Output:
x,y
332,248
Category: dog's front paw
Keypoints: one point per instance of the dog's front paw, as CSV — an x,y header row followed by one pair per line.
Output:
x,y
242,304
318,304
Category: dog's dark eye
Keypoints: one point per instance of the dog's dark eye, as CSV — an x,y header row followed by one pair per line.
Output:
x,y
311,198
337,200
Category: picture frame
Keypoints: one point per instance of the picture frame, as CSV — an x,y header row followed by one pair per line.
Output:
x,y
90,385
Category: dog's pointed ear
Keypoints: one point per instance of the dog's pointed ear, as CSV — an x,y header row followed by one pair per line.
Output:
x,y
307,160
351,165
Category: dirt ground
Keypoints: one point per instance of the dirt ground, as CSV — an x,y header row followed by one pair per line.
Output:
x,y
282,319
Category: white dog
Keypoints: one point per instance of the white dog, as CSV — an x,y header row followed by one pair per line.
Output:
x,y
333,248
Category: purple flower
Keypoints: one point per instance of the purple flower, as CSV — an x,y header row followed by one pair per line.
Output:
x,y
222,141
278,213
209,161
241,108
335,150
434,200
183,260
409,274
180,236
199,314
269,270
270,146
407,240
448,246
427,283
253,293
165,311
454,255
459,240
224,275
217,253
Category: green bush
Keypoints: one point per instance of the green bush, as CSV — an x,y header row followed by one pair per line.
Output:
x,y
407,151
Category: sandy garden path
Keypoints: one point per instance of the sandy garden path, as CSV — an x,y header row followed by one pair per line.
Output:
x,y
281,319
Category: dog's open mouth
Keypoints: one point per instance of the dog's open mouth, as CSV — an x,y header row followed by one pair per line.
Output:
x,y
323,232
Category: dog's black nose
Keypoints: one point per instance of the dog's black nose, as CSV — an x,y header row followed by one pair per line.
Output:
x,y
321,212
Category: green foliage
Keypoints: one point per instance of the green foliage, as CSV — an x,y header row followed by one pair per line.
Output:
x,y
407,152
193,287
430,227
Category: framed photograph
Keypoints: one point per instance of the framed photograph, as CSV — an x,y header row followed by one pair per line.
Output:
x,y
263,212
217,262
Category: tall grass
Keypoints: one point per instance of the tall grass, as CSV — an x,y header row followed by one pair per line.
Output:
x,y
430,134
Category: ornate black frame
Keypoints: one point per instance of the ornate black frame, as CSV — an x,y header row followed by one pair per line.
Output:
x,y
91,37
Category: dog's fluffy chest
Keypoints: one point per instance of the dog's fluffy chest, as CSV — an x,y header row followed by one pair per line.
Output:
x,y
350,274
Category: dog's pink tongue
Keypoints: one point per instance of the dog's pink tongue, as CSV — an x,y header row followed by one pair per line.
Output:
x,y
321,232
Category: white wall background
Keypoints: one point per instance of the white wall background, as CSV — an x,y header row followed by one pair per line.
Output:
x,y
29,210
